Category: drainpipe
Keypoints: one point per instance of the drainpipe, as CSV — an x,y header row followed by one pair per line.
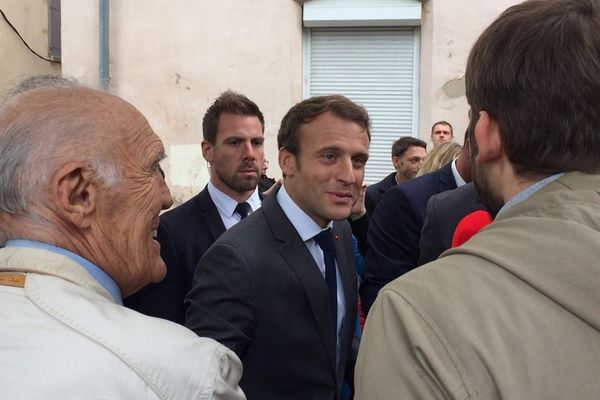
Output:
x,y
103,45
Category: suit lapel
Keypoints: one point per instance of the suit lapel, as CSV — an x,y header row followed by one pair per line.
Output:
x,y
347,268
293,250
446,179
210,214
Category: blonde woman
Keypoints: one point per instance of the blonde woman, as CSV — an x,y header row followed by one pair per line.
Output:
x,y
439,156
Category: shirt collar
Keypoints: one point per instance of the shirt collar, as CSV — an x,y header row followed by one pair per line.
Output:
x,y
457,178
226,205
98,274
528,191
306,227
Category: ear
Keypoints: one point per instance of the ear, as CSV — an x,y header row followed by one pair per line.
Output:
x,y
395,162
287,162
207,151
74,193
489,141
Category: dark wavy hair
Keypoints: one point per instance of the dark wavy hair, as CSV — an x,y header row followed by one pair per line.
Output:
x,y
536,71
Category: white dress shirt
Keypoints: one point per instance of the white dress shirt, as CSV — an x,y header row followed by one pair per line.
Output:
x,y
226,205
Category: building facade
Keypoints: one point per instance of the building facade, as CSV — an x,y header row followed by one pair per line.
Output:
x,y
403,59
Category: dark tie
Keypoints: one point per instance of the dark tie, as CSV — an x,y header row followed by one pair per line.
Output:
x,y
243,209
325,241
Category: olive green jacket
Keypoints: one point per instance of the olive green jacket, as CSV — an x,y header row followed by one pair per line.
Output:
x,y
514,313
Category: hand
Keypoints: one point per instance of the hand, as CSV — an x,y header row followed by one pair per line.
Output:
x,y
273,188
359,209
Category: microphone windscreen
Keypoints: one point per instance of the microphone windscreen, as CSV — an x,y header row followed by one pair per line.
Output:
x,y
469,226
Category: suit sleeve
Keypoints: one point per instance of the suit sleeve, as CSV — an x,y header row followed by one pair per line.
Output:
x,y
369,203
221,303
360,227
393,243
404,355
431,242
165,298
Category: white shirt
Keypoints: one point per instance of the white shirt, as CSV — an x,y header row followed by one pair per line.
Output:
x,y
226,205
457,178
307,228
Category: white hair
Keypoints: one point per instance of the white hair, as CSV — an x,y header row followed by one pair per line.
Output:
x,y
34,144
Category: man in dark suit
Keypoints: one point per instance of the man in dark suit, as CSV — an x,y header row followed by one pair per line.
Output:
x,y
444,212
395,227
408,154
233,130
271,288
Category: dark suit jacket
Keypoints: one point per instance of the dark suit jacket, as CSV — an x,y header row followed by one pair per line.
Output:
x,y
376,191
395,230
185,233
259,291
444,212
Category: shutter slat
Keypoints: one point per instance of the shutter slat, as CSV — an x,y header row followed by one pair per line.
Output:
x,y
374,67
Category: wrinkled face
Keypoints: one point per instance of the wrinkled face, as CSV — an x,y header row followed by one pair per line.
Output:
x,y
408,164
128,211
441,134
325,177
236,157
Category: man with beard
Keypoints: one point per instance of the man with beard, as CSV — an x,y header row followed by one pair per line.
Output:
x,y
408,154
513,312
280,287
233,130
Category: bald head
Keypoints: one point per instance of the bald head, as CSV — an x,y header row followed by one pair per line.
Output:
x,y
79,169
47,121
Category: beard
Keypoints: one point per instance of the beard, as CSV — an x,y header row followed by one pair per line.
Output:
x,y
487,191
239,183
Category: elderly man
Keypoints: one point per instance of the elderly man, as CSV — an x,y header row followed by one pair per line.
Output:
x,y
512,313
81,189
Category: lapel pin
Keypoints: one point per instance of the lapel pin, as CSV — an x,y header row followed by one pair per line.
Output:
x,y
337,237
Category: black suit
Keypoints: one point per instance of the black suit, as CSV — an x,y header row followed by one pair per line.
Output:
x,y
185,233
259,291
395,230
376,191
444,212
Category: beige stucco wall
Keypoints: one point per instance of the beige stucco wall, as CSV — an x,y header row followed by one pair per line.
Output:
x,y
30,18
449,29
171,59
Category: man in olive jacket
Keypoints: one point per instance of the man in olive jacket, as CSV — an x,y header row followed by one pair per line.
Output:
x,y
513,313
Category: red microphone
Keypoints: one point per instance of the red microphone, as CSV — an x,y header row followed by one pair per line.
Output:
x,y
469,226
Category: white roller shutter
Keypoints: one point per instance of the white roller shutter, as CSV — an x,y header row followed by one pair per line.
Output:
x,y
376,67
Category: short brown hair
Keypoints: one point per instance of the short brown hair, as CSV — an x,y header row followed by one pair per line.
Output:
x,y
448,124
536,71
401,145
228,102
309,109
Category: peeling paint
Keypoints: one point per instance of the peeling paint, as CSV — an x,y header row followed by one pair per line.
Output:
x,y
455,87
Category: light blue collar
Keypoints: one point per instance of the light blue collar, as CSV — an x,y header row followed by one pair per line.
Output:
x,y
528,191
99,275
457,178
